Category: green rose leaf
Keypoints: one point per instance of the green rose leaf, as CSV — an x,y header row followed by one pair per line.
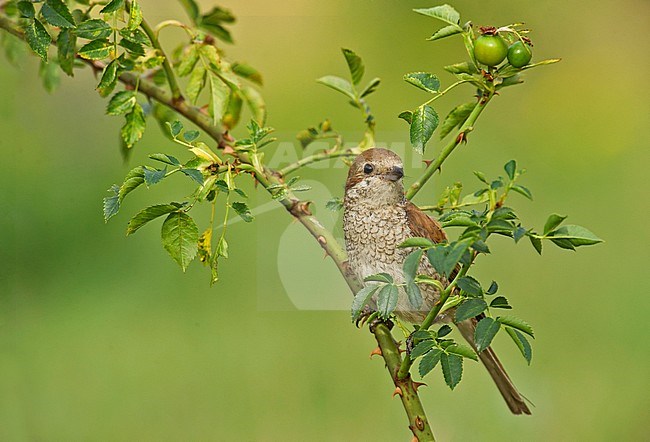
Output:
x,y
175,128
219,95
424,122
456,118
26,9
148,214
517,323
93,29
38,38
112,203
537,243
248,72
121,103
414,295
180,237
134,126
370,87
461,68
422,348
188,60
444,13
519,233
195,174
445,257
494,287
338,84
429,361
485,331
576,235
470,309
196,83
470,286
66,44
462,350
135,16
522,191
132,47
243,211
406,116
445,32
553,222
112,6
355,65
510,168
96,50
191,135
335,204
444,330
452,369
387,300
153,176
361,299
164,158
500,302
423,80
411,264
191,8
56,13
522,344
109,79
379,277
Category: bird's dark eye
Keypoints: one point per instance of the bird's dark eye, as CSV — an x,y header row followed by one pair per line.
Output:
x,y
368,168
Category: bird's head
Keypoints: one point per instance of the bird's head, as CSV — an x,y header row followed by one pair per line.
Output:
x,y
375,178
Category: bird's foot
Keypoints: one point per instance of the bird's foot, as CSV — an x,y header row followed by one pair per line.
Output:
x,y
377,320
372,318
410,344
366,315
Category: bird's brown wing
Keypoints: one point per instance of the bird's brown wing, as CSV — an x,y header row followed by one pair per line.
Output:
x,y
423,225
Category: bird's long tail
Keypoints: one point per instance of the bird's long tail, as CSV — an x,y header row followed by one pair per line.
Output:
x,y
507,389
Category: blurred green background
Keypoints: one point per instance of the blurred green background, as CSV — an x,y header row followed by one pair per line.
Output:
x,y
104,338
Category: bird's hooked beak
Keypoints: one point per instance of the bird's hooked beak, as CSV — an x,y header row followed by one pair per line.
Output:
x,y
396,174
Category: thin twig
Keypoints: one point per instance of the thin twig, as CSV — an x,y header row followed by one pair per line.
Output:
x,y
461,136
321,156
169,72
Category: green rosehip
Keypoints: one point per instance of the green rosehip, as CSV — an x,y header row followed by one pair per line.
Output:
x,y
519,54
490,50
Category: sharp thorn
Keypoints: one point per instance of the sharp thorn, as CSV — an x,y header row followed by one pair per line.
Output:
x,y
376,351
417,385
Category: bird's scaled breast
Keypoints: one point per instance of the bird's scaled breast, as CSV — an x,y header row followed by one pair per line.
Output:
x,y
372,238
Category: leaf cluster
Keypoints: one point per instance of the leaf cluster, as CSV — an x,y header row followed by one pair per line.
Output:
x,y
424,119
433,347
356,96
211,175
491,215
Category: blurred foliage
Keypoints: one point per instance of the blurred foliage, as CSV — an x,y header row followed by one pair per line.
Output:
x,y
102,338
